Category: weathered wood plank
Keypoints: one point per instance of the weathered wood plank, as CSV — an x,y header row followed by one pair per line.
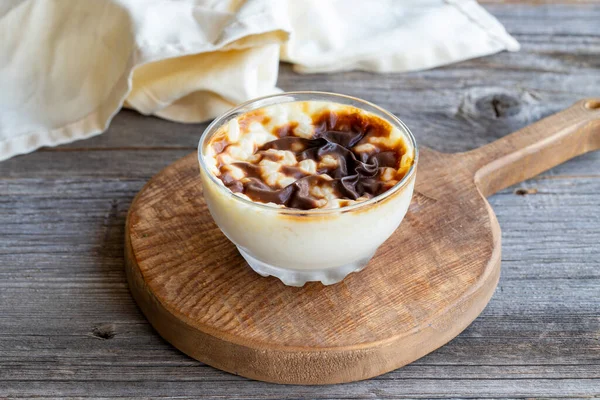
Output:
x,y
62,286
524,331
372,389
126,164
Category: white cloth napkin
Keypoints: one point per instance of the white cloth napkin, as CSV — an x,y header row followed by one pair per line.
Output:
x,y
67,66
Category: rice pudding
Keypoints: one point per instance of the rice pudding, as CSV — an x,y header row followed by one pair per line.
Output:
x,y
307,185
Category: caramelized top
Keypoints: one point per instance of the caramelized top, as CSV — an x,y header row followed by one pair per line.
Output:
x,y
336,157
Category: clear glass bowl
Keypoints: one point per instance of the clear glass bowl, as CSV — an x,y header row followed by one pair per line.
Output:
x,y
299,246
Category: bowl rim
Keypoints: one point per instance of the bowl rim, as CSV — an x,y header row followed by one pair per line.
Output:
x,y
217,122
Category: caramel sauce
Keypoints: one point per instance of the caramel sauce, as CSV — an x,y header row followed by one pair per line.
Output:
x,y
253,116
355,174
285,130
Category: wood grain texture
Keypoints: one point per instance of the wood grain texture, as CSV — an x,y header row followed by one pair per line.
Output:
x,y
425,285
62,216
212,306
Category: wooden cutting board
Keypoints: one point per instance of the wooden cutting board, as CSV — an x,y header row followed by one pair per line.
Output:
x,y
426,284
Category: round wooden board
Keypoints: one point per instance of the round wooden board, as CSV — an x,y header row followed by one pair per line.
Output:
x,y
424,286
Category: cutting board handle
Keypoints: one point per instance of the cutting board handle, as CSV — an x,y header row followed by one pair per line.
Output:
x,y
536,148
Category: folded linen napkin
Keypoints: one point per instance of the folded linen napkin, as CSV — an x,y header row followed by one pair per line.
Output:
x,y
67,67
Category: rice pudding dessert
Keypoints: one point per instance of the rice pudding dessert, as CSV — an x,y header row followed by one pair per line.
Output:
x,y
307,186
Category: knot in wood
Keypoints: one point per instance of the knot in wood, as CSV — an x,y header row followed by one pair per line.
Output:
x,y
498,106
498,111
104,331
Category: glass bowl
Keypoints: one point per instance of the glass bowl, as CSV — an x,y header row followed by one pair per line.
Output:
x,y
299,246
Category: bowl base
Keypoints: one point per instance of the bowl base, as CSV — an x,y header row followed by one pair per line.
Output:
x,y
295,277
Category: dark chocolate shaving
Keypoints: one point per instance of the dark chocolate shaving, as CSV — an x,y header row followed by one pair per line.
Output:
x,y
352,177
295,195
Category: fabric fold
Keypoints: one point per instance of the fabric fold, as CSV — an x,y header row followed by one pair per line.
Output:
x,y
390,36
66,68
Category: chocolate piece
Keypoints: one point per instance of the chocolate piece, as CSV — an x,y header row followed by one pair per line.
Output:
x,y
295,195
350,175
352,178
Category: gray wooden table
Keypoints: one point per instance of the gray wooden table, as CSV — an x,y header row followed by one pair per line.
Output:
x,y
69,327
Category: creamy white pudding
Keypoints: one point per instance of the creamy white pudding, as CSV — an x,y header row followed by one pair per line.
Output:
x,y
307,185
